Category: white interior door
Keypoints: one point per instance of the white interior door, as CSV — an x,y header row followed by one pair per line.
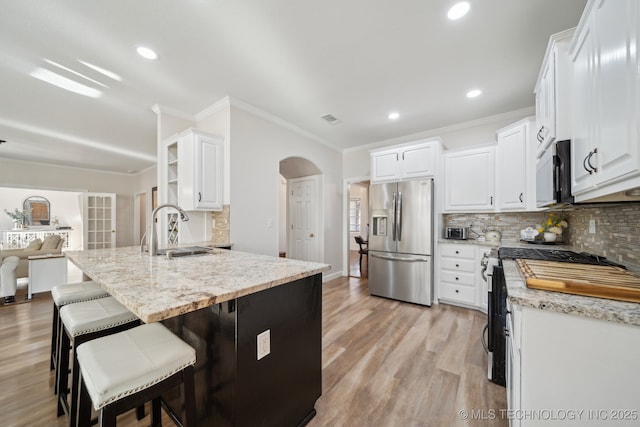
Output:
x,y
99,220
305,219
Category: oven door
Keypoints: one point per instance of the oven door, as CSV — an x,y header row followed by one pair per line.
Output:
x,y
496,316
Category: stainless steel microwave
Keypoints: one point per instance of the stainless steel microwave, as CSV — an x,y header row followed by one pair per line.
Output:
x,y
553,175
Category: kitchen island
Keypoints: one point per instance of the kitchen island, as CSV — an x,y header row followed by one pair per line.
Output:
x,y
220,303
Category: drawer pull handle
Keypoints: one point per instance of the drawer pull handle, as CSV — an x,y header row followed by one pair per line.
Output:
x,y
457,278
457,252
457,291
457,265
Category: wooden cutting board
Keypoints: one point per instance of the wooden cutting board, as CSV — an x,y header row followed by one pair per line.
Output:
x,y
581,279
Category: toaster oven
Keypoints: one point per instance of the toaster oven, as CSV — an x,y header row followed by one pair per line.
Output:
x,y
456,233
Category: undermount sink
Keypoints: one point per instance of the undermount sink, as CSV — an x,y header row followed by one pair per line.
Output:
x,y
186,251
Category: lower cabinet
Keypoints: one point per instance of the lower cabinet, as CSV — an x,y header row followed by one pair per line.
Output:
x,y
581,371
460,278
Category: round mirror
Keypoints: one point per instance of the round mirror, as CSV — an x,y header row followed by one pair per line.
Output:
x,y
38,208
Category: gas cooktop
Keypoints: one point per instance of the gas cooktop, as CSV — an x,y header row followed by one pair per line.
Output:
x,y
555,255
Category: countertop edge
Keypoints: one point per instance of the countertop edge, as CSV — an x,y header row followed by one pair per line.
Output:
x,y
596,308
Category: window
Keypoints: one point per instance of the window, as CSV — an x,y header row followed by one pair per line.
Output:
x,y
354,215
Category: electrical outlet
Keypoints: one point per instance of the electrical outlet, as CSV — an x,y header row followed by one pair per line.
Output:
x,y
264,344
592,226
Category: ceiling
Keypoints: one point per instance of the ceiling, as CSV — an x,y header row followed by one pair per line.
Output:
x,y
297,60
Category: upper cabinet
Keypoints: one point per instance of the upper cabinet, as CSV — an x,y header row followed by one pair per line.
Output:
x,y
515,165
417,160
552,91
194,162
605,149
469,180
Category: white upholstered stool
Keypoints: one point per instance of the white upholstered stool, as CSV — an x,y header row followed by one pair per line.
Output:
x,y
81,322
121,371
8,279
69,293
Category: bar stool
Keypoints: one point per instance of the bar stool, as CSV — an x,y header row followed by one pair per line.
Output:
x,y
122,371
62,295
81,322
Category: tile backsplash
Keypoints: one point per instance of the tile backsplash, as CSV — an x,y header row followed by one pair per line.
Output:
x,y
509,224
617,231
617,228
220,232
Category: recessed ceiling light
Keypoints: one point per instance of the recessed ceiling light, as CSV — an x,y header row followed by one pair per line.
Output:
x,y
474,93
458,10
394,116
145,52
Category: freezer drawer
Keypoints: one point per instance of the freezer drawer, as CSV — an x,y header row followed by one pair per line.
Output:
x,y
401,276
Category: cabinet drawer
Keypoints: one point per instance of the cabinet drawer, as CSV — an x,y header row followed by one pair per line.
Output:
x,y
458,251
463,294
456,277
458,264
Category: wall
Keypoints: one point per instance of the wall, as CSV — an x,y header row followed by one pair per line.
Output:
x,y
617,235
257,146
20,174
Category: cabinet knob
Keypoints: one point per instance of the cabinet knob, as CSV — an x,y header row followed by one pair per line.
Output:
x,y
457,278
457,265
457,252
311,235
457,291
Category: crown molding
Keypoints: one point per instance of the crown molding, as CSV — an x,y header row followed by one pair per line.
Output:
x,y
163,109
220,105
57,165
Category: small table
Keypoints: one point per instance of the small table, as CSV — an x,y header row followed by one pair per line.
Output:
x,y
46,271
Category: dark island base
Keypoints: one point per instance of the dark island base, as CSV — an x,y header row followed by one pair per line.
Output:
x,y
233,388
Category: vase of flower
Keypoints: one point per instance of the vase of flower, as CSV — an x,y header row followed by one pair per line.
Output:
x,y
549,236
552,227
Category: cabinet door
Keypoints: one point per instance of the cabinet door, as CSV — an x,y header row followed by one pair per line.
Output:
x,y
616,29
209,187
418,161
583,142
469,180
385,166
512,168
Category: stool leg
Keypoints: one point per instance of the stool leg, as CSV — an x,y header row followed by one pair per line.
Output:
x,y
107,417
189,396
62,371
54,336
156,414
140,412
75,379
84,405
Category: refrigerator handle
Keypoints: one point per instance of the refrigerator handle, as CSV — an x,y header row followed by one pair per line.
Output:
x,y
395,209
399,216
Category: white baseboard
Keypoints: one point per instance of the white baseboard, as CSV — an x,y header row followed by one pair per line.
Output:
x,y
327,277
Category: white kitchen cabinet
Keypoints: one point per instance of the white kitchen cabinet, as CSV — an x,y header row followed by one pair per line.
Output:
x,y
606,97
469,180
515,161
405,162
194,162
559,362
461,281
552,92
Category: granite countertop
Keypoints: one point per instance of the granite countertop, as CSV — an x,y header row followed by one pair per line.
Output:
x,y
597,308
157,288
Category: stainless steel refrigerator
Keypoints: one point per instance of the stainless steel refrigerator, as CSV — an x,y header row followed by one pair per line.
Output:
x,y
400,240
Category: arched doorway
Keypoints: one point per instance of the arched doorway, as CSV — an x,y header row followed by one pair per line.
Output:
x,y
301,216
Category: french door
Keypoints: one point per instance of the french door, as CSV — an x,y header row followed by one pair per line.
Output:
x,y
99,220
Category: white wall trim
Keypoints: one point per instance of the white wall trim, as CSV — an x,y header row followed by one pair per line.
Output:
x,y
328,277
445,129
163,109
345,220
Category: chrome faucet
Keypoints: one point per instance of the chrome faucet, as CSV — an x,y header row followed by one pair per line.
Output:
x,y
153,246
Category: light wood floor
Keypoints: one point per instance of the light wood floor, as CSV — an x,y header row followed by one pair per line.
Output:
x,y
385,363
